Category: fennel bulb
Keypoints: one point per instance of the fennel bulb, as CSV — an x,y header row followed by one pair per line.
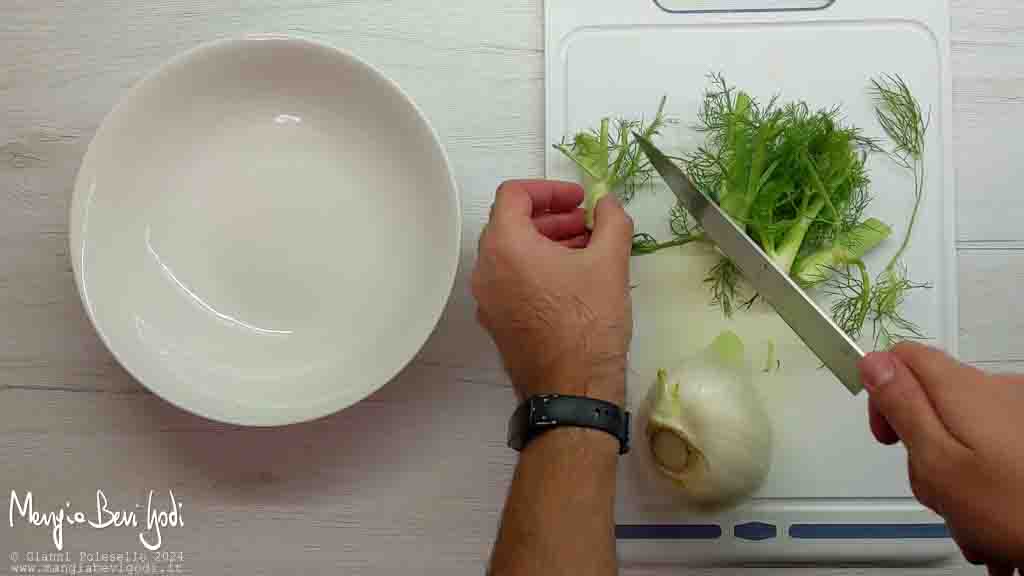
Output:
x,y
707,428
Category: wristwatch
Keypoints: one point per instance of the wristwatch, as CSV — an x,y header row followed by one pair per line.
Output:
x,y
541,413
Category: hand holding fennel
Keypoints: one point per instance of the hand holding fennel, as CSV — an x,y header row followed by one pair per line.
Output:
x,y
556,300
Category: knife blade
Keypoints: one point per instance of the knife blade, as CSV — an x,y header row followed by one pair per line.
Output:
x,y
831,345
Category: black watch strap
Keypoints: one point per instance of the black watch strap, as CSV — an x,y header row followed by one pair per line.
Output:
x,y
539,414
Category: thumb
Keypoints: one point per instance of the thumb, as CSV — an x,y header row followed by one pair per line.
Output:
x,y
613,229
901,400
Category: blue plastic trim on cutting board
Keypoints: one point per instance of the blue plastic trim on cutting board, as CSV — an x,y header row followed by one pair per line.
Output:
x,y
759,531
668,532
755,531
868,531
743,10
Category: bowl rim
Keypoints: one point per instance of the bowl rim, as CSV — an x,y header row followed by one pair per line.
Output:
x,y
314,411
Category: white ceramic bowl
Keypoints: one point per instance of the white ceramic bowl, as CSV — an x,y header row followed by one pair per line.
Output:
x,y
265,230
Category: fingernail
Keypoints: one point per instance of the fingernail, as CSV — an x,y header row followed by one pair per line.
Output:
x,y
877,370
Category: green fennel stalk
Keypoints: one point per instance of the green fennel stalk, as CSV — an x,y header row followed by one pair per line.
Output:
x,y
793,178
611,160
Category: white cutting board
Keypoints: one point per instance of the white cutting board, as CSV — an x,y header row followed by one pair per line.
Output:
x,y
833,494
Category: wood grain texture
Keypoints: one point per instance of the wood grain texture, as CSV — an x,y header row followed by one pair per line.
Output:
x,y
424,496
990,279
988,102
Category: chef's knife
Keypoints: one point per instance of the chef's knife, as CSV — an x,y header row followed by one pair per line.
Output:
x,y
833,346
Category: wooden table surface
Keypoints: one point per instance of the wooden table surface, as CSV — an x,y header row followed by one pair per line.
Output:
x,y
424,495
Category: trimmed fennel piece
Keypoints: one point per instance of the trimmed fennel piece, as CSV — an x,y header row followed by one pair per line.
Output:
x,y
610,158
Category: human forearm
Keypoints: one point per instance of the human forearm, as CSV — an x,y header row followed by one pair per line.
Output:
x,y
555,298
559,515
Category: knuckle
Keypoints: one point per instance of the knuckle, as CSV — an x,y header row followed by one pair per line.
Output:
x,y
905,346
493,243
505,189
903,393
504,246
898,393
909,350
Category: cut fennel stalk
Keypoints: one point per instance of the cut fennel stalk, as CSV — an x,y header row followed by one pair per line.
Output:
x,y
611,160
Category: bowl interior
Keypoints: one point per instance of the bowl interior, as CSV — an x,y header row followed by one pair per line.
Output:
x,y
265,231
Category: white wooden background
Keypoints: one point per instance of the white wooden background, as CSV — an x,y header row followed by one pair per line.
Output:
x,y
413,479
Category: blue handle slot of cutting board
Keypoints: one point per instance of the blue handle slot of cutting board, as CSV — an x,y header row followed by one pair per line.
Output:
x,y
868,531
668,532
